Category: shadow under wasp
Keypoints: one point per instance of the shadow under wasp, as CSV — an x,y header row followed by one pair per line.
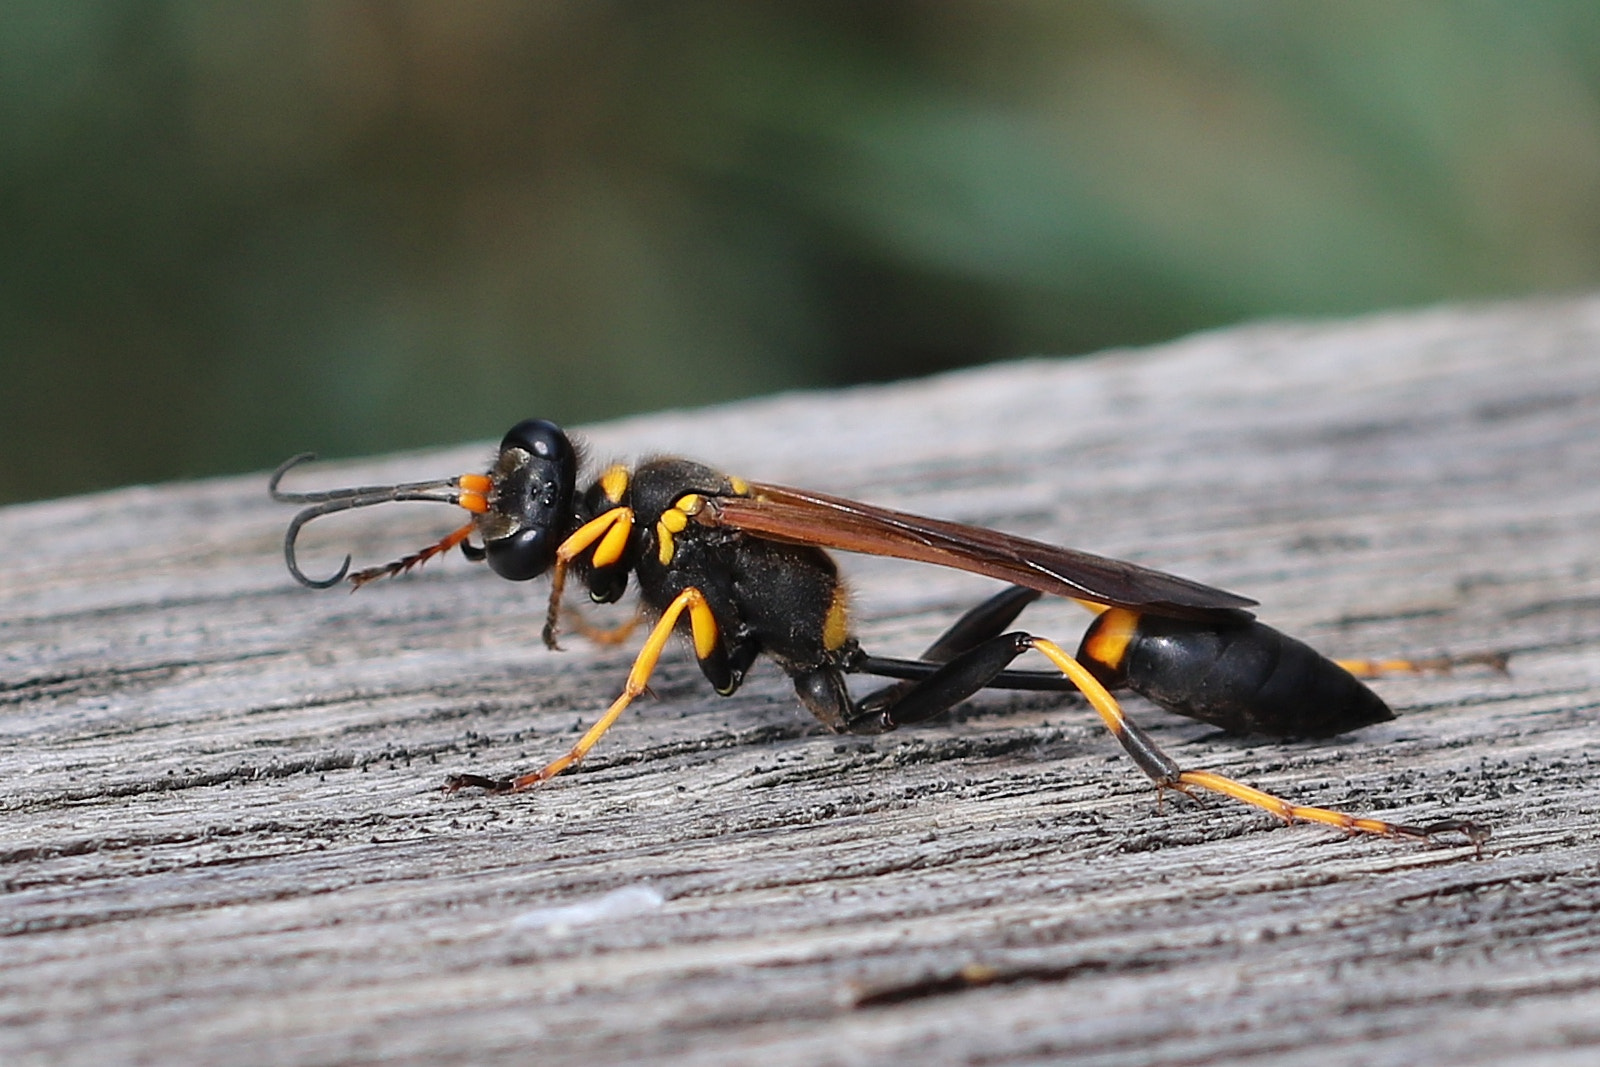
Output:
x,y
742,570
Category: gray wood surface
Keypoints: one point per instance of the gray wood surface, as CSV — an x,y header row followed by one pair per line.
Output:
x,y
224,841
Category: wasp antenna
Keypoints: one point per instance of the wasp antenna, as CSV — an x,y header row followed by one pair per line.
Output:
x,y
293,533
327,501
439,490
284,468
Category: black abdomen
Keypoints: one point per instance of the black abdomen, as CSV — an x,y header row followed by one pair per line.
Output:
x,y
1245,677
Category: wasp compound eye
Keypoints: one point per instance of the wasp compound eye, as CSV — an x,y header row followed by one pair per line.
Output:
x,y
531,502
524,555
543,440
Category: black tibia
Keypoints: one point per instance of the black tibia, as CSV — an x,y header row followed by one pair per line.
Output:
x,y
976,667
917,669
477,781
970,656
930,689
917,701
1162,769
987,620
1244,677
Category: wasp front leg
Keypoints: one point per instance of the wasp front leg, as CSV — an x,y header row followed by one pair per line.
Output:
x,y
607,538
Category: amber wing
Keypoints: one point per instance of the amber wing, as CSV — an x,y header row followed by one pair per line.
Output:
x,y
805,517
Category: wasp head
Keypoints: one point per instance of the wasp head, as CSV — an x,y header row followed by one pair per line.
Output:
x,y
521,508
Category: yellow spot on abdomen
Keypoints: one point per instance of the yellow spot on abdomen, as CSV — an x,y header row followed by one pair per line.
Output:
x,y
1113,632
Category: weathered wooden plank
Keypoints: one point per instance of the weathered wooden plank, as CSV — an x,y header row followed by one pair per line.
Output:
x,y
224,839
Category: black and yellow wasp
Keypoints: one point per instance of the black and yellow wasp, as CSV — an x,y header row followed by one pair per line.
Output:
x,y
741,569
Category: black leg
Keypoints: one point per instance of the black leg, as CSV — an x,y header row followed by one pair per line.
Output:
x,y
727,673
989,619
941,689
978,668
983,623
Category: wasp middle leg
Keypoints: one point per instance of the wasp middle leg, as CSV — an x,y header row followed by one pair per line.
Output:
x,y
708,649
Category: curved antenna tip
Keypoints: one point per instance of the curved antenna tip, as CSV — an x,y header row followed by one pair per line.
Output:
x,y
319,583
284,468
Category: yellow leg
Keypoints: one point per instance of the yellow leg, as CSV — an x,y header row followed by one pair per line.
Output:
x,y
1377,668
603,635
608,532
1167,774
400,566
704,628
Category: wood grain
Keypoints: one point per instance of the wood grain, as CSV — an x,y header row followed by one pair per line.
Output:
x,y
224,839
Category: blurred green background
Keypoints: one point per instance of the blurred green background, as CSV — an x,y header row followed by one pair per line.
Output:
x,y
233,231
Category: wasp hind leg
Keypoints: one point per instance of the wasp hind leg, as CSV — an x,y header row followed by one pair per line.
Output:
x,y
982,623
1499,662
979,665
1168,774
986,621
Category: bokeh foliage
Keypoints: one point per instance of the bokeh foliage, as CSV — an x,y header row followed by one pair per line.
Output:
x,y
232,231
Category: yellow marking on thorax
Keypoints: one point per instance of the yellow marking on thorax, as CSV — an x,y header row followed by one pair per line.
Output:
x,y
674,521
836,624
